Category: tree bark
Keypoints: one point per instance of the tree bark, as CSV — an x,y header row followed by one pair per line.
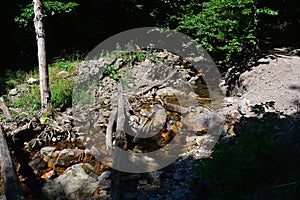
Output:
x,y
41,44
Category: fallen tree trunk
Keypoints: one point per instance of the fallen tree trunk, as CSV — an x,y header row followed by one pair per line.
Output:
x,y
12,185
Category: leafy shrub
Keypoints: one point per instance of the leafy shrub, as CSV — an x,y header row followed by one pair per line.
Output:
x,y
225,27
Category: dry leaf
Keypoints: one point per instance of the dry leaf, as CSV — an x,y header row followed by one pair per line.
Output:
x,y
48,174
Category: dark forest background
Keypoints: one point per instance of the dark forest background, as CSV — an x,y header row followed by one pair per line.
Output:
x,y
75,34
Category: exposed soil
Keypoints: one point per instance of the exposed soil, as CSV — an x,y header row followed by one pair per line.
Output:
x,y
276,79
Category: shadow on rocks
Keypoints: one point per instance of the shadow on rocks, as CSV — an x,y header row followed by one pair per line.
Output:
x,y
260,162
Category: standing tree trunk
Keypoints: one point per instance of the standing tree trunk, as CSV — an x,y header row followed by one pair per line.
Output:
x,y
43,68
255,25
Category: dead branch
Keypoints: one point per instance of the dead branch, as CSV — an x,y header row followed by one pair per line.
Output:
x,y
119,143
109,130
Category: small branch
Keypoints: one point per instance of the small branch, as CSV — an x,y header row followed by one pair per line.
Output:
x,y
282,185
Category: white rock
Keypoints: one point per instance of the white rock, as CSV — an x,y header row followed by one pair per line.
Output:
x,y
62,73
32,80
243,106
13,92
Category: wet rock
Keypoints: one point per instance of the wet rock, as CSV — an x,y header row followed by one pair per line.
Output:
x,y
191,138
37,163
76,183
206,141
53,190
67,157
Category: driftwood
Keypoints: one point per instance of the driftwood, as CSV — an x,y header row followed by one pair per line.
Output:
x,y
109,131
119,143
12,185
5,109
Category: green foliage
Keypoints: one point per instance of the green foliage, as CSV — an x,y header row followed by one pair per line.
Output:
x,y
140,56
48,115
61,87
65,65
29,98
239,169
50,8
61,93
226,28
112,72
